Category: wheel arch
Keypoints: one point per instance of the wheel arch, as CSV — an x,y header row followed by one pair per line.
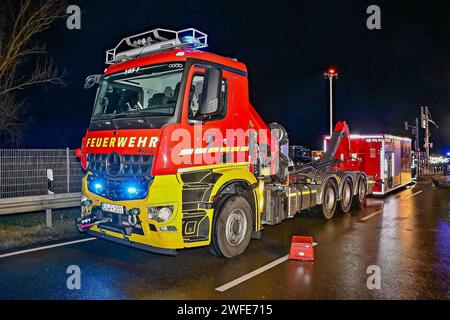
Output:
x,y
241,182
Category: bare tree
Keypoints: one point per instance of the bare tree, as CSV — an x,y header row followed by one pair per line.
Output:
x,y
21,51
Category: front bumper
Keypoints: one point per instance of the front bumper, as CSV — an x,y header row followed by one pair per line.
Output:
x,y
150,235
182,230
128,242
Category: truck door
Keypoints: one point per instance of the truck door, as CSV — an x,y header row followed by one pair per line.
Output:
x,y
389,170
208,132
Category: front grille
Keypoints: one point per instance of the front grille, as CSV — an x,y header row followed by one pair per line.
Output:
x,y
118,188
130,165
133,173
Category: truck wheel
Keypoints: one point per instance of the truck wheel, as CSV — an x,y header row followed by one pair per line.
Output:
x,y
329,200
346,197
232,228
360,197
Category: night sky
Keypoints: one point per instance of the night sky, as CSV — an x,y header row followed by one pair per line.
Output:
x,y
385,75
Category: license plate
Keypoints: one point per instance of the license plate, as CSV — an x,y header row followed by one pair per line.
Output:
x,y
112,208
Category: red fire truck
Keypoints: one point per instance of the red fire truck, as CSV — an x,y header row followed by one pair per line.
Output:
x,y
176,156
385,157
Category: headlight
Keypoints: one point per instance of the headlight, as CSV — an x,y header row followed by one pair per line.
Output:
x,y
165,213
160,214
152,213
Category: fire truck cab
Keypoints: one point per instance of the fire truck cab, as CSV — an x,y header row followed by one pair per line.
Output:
x,y
174,152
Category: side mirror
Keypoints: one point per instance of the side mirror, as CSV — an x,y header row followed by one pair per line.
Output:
x,y
92,80
209,104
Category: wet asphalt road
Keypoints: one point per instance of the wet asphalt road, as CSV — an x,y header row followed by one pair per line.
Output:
x,y
407,235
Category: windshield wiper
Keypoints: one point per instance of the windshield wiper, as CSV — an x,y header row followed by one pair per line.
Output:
x,y
110,116
136,113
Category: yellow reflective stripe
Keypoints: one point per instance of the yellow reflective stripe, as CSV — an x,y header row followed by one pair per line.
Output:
x,y
185,152
303,192
308,192
200,150
213,149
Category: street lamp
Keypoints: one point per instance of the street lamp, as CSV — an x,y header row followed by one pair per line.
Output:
x,y
331,74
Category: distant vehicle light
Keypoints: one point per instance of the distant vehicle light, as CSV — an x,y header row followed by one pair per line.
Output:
x,y
438,160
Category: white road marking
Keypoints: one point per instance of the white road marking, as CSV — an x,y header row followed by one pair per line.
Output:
x,y
44,247
373,214
254,273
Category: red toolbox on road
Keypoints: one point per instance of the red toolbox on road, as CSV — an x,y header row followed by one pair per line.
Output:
x,y
302,248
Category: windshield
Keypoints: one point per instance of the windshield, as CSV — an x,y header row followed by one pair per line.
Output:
x,y
150,91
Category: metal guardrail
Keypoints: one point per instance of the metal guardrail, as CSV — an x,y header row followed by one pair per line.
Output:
x,y
23,172
38,203
24,184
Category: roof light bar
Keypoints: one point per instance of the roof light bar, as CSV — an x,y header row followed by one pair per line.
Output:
x,y
154,41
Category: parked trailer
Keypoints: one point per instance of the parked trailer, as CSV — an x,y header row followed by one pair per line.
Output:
x,y
149,180
385,157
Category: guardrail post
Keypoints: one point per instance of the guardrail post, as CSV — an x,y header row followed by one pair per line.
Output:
x,y
48,218
50,190
68,169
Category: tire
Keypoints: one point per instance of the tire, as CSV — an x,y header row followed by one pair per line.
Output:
x,y
346,196
329,203
232,227
360,197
